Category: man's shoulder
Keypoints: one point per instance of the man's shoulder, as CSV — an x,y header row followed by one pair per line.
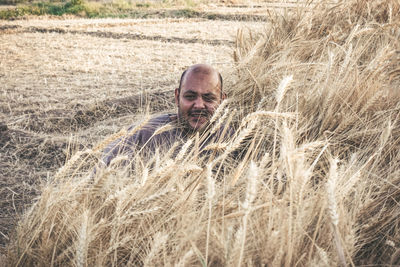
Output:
x,y
148,130
156,122
162,119
136,139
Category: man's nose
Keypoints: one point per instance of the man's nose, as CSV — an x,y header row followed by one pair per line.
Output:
x,y
199,103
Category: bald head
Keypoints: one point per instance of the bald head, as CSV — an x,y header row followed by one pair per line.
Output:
x,y
201,69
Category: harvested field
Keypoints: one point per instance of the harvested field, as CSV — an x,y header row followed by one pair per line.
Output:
x,y
310,177
173,30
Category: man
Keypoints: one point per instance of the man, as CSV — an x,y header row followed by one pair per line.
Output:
x,y
197,97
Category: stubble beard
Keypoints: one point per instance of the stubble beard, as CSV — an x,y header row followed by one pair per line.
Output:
x,y
185,124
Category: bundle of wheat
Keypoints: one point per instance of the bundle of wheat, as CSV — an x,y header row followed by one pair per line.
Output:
x,y
317,117
344,65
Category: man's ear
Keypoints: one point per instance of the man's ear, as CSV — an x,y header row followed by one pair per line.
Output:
x,y
177,96
223,96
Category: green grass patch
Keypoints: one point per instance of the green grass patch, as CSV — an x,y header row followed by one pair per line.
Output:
x,y
42,8
82,8
117,9
12,2
73,7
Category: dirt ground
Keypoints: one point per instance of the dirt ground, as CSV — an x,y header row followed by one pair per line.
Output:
x,y
68,83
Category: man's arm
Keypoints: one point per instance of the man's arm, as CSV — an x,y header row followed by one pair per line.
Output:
x,y
141,139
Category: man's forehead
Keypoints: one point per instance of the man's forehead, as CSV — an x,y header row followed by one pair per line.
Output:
x,y
210,80
204,75
211,89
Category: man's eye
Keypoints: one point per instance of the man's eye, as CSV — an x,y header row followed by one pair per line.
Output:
x,y
190,97
209,99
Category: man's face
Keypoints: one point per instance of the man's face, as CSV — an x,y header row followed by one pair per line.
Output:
x,y
199,97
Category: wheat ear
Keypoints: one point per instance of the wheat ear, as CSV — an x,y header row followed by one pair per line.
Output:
x,y
158,243
70,163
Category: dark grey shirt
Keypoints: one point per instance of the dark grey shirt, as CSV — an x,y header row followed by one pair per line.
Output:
x,y
145,142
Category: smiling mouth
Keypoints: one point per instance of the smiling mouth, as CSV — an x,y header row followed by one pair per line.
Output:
x,y
199,114
199,117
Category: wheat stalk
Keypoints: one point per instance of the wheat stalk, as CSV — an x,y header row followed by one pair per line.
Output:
x,y
251,194
83,240
210,197
332,207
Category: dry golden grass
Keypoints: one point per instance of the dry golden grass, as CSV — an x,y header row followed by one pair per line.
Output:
x,y
310,177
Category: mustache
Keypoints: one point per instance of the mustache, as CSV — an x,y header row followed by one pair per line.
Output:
x,y
199,113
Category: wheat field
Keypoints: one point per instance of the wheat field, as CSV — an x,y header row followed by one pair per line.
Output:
x,y
311,176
